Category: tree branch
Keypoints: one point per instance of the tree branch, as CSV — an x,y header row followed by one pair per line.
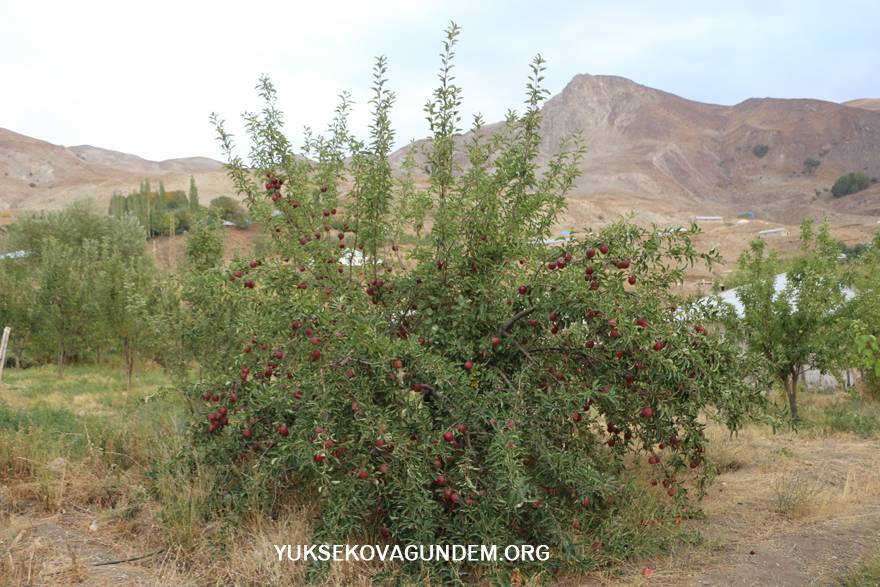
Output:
x,y
502,331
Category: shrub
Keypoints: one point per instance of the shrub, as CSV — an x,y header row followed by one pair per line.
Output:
x,y
793,493
760,150
856,415
229,210
811,164
476,386
850,184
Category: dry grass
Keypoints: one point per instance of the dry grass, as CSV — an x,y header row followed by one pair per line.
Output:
x,y
795,493
87,474
80,482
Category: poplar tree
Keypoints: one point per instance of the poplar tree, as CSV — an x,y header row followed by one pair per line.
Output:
x,y
193,195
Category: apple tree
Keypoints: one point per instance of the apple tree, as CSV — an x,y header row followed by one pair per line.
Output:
x,y
420,356
865,312
802,324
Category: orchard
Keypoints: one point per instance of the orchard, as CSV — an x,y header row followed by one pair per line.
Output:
x,y
414,356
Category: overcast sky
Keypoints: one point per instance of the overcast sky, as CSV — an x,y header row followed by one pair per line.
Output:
x,y
142,77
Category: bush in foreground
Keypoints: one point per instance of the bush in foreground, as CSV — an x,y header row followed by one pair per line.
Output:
x,y
473,385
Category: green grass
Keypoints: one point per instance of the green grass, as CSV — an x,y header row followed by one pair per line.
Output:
x,y
87,414
855,415
866,574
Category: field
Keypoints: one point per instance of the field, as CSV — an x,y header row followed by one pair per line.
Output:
x,y
89,479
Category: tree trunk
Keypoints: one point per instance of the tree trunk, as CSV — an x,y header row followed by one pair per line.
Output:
x,y
19,351
129,362
61,359
791,384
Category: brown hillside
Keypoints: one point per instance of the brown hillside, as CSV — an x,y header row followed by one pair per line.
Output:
x,y
670,158
866,103
660,156
35,174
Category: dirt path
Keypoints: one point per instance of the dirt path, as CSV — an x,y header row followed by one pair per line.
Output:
x,y
790,512
62,550
810,555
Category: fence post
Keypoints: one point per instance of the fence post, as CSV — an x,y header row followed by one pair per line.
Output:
x,y
3,344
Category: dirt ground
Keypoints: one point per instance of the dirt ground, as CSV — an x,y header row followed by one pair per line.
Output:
x,y
787,510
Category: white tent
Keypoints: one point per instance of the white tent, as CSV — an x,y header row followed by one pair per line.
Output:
x,y
731,297
354,258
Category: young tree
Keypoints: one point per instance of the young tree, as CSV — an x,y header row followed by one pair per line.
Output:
x,y
865,314
117,205
65,295
18,305
204,243
193,195
69,289
797,323
160,218
123,276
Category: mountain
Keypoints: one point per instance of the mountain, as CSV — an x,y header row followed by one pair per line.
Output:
x,y
663,156
35,174
866,103
669,158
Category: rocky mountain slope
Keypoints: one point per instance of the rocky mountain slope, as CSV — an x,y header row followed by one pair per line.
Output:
x,y
663,156
669,158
